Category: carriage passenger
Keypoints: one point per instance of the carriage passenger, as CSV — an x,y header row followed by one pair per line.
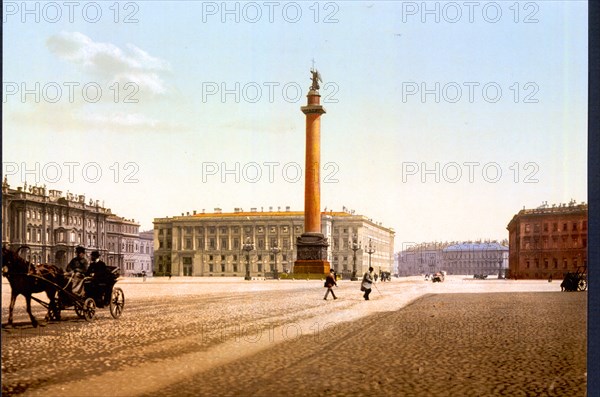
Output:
x,y
101,279
76,270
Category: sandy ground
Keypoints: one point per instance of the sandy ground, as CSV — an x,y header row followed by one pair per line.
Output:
x,y
271,338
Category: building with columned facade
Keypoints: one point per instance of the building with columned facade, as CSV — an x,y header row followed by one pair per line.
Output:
x,y
211,244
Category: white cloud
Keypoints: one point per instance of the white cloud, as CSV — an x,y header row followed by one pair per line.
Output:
x,y
110,62
53,117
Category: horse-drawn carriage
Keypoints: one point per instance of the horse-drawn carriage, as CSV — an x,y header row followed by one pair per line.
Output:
x,y
575,281
27,279
438,277
97,293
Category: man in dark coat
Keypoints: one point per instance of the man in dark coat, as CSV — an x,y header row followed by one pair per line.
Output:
x,y
329,283
101,280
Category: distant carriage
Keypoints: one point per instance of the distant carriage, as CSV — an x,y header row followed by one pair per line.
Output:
x,y
438,277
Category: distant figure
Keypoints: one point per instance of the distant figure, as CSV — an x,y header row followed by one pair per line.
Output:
x,y
169,275
550,279
329,283
367,283
143,275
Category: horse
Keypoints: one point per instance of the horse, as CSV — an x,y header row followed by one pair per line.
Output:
x,y
27,279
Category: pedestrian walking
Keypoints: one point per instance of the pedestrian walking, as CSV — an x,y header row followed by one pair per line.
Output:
x,y
367,283
329,283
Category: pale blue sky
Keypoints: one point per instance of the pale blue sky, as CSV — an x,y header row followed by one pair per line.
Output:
x,y
368,57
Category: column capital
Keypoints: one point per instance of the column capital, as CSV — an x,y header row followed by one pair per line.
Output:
x,y
311,109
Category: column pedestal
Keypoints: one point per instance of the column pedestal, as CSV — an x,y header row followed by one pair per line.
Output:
x,y
312,254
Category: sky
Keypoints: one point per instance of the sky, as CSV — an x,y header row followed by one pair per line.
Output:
x,y
443,119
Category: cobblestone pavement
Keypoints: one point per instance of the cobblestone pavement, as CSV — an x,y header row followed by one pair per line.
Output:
x,y
280,338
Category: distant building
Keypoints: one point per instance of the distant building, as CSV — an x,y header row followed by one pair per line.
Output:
x,y
548,241
476,258
466,258
211,244
418,259
146,261
52,225
122,236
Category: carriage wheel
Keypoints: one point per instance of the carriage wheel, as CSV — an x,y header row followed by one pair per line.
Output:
x,y
582,285
117,302
79,311
89,309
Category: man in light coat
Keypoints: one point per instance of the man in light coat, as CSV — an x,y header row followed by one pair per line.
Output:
x,y
367,283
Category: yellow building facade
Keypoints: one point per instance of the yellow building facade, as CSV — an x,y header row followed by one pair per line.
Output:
x,y
212,244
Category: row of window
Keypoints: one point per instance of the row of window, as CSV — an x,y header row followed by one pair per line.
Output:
x,y
563,226
36,259
456,255
236,244
188,230
130,247
78,221
345,230
143,266
554,262
564,242
117,228
34,235
235,258
71,220
235,268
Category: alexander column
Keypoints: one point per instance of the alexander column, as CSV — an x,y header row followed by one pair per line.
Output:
x,y
312,245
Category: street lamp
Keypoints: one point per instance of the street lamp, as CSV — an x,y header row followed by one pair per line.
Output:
x,y
370,250
275,250
354,246
248,246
